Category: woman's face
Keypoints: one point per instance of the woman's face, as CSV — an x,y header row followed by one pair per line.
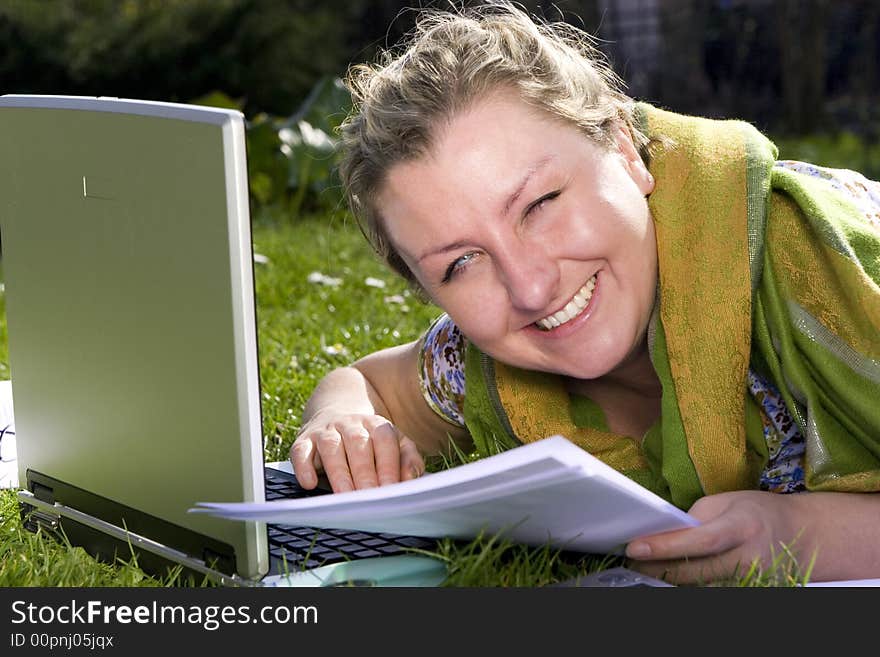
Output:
x,y
537,241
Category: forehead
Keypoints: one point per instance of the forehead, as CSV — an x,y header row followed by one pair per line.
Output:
x,y
476,161
499,124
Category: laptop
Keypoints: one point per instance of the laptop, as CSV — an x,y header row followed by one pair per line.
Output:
x,y
128,269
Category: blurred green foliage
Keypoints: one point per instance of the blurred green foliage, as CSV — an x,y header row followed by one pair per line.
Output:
x,y
309,142
292,160
844,150
267,53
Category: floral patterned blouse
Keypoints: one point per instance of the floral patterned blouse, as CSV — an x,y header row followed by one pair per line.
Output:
x,y
441,357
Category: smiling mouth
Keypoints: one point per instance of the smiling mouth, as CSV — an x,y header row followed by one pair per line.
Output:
x,y
572,309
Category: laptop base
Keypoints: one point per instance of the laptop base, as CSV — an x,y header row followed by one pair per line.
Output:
x,y
109,543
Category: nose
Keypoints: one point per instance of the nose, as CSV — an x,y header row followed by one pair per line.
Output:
x,y
529,274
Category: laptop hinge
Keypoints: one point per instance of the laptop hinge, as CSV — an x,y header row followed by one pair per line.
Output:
x,y
35,520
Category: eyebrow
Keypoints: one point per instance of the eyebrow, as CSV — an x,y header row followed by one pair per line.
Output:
x,y
508,204
446,248
525,181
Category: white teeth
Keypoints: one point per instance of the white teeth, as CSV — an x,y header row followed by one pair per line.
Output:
x,y
572,309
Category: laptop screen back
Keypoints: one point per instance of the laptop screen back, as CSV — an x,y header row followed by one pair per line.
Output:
x,y
128,267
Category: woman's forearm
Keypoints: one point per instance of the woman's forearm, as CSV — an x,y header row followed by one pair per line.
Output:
x,y
344,391
842,530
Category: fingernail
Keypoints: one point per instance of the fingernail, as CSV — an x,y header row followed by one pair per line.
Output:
x,y
638,550
414,473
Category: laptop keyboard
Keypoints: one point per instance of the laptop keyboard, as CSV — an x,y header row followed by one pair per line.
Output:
x,y
298,548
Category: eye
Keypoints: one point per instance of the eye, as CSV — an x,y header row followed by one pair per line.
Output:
x,y
457,265
539,204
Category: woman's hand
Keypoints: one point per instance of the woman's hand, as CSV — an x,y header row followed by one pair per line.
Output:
x,y
737,528
354,451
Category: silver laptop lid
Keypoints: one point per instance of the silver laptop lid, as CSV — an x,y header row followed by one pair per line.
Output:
x,y
128,267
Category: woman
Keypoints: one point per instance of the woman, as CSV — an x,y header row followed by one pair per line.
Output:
x,y
652,286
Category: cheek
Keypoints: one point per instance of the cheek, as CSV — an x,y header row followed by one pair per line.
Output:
x,y
630,231
478,308
644,243
579,228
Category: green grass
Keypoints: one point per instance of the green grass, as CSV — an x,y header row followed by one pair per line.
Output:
x,y
305,330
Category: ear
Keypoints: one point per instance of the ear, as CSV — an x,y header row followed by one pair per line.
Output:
x,y
633,161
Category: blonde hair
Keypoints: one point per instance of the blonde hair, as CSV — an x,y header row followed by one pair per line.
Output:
x,y
449,61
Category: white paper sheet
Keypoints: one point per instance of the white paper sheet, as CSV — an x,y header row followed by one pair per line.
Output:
x,y
8,452
546,492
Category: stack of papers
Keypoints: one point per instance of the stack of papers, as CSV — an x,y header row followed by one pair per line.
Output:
x,y
549,492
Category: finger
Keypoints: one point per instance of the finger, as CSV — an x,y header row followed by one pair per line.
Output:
x,y
412,464
332,451
704,540
386,451
359,453
306,462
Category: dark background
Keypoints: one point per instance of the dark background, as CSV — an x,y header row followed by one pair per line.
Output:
x,y
790,66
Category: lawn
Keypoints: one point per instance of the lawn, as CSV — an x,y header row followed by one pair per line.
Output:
x,y
323,300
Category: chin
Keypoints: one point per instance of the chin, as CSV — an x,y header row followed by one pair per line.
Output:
x,y
592,369
585,373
